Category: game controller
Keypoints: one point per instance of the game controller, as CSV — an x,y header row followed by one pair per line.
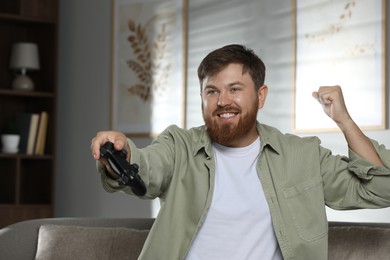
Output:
x,y
128,173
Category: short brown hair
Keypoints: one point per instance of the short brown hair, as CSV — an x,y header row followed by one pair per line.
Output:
x,y
218,59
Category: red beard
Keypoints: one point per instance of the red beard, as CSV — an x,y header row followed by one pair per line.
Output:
x,y
228,133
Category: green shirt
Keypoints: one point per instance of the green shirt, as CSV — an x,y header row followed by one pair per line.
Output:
x,y
299,177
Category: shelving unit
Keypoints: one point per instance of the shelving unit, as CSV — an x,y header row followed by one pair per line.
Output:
x,y
27,181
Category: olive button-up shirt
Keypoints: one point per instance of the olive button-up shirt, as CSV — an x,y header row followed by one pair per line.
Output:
x,y
299,177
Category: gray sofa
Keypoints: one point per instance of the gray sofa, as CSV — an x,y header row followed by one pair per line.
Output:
x,y
28,239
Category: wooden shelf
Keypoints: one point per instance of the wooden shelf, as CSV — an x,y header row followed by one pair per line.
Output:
x,y
27,181
24,19
19,93
26,156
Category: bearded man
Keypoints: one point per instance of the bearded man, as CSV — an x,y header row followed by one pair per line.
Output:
x,y
238,189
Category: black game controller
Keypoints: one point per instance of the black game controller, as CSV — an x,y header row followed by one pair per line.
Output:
x,y
128,173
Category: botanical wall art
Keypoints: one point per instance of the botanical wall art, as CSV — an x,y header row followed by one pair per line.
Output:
x,y
148,65
340,43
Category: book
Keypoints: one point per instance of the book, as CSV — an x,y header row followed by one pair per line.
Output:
x,y
23,121
32,134
41,133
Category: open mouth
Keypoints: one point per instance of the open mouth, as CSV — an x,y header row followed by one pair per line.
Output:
x,y
227,115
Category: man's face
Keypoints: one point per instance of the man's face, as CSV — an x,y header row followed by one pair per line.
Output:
x,y
229,105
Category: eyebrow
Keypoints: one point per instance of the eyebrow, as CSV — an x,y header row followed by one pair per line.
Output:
x,y
229,85
236,83
209,87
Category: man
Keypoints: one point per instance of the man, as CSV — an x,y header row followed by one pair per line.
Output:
x,y
238,189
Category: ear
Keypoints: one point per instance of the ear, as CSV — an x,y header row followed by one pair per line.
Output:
x,y
262,94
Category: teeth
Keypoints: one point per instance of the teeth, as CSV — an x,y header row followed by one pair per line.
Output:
x,y
227,115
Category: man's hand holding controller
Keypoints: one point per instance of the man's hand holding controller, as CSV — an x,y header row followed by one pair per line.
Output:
x,y
115,155
120,142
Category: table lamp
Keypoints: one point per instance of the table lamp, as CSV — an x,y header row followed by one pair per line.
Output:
x,y
24,57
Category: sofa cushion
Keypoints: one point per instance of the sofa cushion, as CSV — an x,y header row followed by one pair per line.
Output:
x,y
358,242
76,242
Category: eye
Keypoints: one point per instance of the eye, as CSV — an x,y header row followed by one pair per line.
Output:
x,y
211,92
234,89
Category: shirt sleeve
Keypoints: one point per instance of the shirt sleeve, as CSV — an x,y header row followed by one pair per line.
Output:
x,y
355,183
365,169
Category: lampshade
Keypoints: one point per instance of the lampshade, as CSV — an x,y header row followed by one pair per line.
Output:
x,y
24,56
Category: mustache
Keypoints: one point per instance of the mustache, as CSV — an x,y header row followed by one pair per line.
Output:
x,y
227,109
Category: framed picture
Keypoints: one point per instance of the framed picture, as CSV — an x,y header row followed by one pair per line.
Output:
x,y
149,41
340,43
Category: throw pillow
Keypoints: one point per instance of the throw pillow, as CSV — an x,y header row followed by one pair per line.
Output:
x,y
359,243
84,243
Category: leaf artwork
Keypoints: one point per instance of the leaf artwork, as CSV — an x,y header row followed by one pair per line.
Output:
x,y
149,45
334,28
360,49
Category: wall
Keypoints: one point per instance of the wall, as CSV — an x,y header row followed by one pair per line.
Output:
x,y
84,91
83,109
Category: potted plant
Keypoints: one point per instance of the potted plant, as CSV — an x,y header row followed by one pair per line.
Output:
x,y
10,138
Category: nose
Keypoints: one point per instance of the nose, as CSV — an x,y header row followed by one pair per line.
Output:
x,y
224,99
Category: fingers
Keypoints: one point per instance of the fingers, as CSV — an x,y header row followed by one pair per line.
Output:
x,y
327,94
332,100
117,138
316,95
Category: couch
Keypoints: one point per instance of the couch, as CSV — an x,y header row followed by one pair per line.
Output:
x,y
97,238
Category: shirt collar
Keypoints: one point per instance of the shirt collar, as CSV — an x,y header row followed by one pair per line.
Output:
x,y
268,138
202,141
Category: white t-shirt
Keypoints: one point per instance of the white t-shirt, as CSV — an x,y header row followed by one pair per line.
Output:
x,y
238,224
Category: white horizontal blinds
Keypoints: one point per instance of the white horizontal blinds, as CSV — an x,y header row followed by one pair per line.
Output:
x,y
212,24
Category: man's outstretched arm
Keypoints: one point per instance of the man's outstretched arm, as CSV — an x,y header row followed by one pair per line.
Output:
x,y
332,100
